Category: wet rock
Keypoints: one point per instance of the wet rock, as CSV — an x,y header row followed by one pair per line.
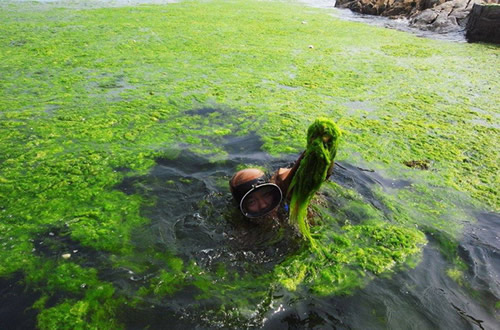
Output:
x,y
450,16
441,16
484,24
389,8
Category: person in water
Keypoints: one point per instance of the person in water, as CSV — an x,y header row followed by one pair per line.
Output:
x,y
258,195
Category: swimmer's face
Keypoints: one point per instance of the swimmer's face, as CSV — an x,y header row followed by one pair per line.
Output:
x,y
259,200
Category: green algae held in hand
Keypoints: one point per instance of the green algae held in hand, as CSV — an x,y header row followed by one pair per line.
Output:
x,y
322,141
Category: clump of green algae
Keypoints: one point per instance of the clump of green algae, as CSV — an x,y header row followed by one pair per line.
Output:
x,y
322,143
86,93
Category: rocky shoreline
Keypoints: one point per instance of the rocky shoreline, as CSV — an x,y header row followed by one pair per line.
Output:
x,y
440,16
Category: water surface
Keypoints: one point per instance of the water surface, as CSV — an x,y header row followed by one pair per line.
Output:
x,y
422,298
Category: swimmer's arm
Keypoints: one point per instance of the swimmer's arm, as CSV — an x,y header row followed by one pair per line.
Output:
x,y
283,176
329,171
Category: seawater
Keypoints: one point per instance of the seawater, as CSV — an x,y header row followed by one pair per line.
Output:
x,y
421,298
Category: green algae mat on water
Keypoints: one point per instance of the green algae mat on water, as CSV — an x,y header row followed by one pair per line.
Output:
x,y
91,98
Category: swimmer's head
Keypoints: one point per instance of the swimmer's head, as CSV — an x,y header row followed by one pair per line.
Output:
x,y
255,196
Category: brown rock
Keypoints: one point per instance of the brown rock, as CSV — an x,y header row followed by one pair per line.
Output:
x,y
389,8
450,16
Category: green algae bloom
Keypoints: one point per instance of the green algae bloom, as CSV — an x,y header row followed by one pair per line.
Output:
x,y
92,97
322,141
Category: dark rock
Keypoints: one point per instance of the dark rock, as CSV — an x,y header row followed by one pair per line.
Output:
x,y
425,18
389,8
450,16
484,24
442,16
